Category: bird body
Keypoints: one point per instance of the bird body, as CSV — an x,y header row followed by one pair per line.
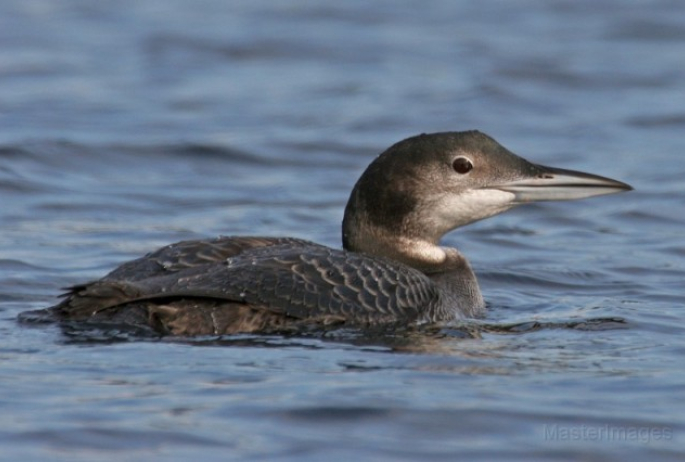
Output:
x,y
391,270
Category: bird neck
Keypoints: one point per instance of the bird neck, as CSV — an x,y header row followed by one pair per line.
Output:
x,y
445,266
421,254
388,228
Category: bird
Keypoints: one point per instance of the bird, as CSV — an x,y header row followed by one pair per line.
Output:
x,y
392,270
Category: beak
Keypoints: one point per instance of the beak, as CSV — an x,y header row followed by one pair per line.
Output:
x,y
556,184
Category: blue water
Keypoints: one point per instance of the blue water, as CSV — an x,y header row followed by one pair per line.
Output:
x,y
128,125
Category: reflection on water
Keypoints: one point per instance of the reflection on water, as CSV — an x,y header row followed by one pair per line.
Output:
x,y
428,339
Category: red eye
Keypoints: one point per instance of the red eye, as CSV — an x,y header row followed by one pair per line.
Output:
x,y
462,165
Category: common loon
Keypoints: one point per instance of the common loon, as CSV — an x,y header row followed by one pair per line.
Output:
x,y
391,271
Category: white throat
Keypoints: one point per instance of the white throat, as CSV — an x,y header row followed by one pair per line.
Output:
x,y
453,211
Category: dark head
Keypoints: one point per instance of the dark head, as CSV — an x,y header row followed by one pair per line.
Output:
x,y
425,186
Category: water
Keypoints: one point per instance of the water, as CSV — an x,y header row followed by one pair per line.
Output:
x,y
129,125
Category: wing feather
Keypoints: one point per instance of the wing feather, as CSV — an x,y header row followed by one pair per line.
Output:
x,y
303,282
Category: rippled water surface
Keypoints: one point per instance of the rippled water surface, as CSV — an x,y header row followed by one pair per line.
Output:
x,y
128,125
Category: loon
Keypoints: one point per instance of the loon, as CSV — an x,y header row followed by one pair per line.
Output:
x,y
392,270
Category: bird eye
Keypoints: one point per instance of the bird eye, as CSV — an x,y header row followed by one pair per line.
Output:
x,y
462,165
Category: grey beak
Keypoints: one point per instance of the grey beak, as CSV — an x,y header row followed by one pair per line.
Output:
x,y
557,184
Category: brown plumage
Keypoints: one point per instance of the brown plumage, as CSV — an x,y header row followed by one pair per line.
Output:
x,y
392,270
248,284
